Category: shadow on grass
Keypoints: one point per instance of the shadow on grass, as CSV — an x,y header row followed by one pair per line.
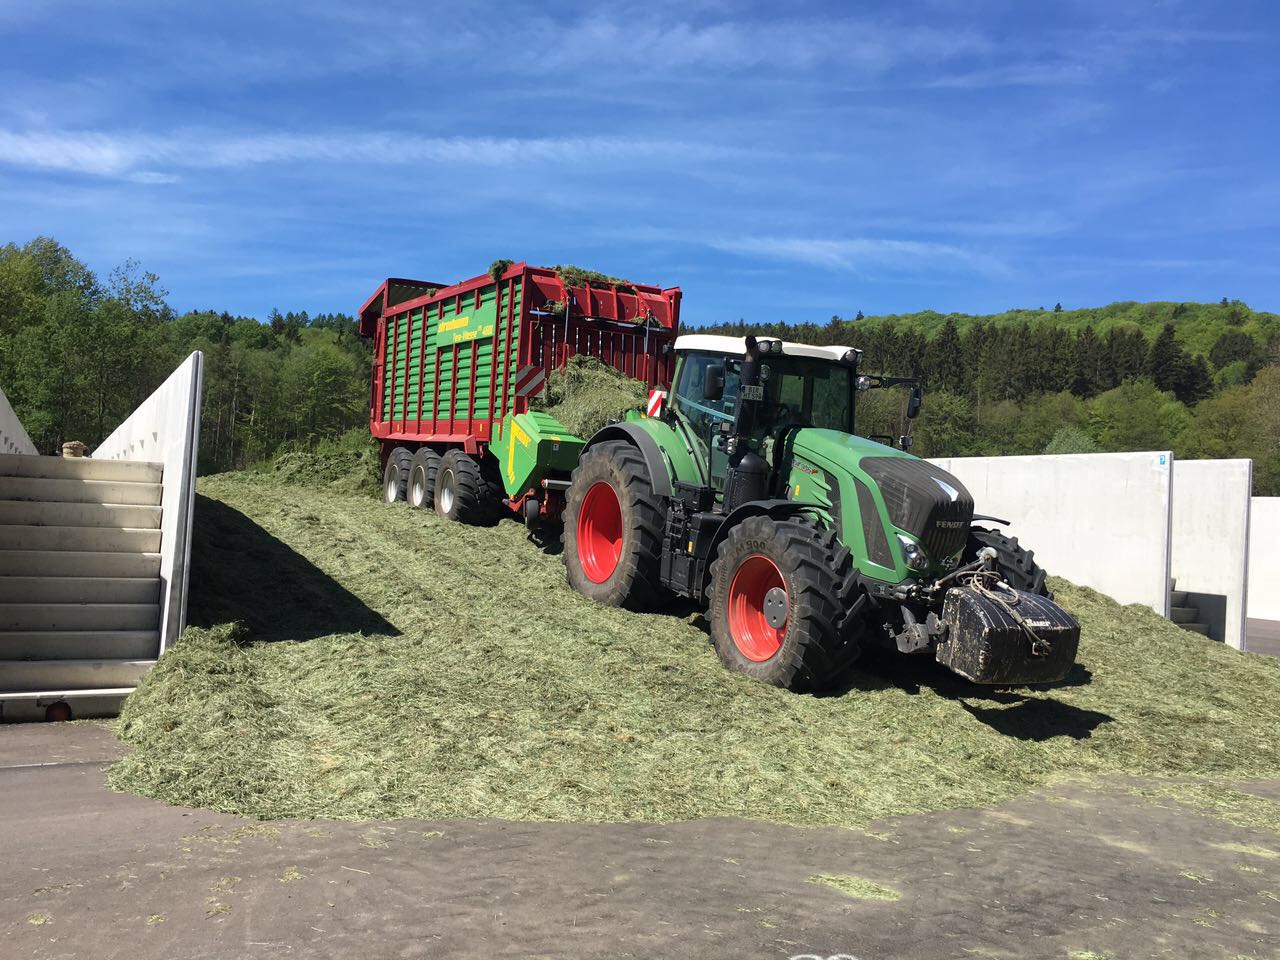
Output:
x,y
241,572
1040,720
1007,710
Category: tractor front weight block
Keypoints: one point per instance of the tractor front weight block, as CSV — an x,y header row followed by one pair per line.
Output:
x,y
983,640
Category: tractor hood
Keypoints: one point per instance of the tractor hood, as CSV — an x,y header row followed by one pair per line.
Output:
x,y
878,492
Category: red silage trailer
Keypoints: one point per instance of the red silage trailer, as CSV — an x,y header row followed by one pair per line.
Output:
x,y
451,362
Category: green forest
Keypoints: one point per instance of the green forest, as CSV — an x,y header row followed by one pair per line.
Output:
x,y
78,352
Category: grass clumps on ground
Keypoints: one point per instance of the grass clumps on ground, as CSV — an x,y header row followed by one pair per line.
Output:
x,y
432,670
857,887
587,393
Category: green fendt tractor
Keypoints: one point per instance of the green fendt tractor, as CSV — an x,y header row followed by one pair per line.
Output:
x,y
751,493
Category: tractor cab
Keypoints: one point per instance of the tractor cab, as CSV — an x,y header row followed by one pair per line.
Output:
x,y
797,386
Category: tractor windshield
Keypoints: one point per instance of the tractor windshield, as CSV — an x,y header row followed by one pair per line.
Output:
x,y
807,392
799,391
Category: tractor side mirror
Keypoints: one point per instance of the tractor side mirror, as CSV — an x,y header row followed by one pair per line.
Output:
x,y
913,402
713,383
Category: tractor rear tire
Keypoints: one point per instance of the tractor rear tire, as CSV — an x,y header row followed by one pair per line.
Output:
x,y
395,475
780,601
613,525
462,492
422,478
1016,564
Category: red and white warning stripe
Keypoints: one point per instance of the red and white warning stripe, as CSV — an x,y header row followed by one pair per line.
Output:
x,y
656,398
530,381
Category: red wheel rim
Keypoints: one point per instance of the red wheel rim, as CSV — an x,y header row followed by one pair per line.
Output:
x,y
751,631
600,532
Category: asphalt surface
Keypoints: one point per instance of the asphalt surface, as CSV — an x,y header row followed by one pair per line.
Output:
x,y
1263,636
1084,871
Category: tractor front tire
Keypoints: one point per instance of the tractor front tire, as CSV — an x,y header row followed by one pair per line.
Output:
x,y
780,592
462,492
1016,564
395,475
613,524
422,478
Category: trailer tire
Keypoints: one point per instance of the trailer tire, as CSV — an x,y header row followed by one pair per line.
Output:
x,y
780,602
1016,564
462,493
395,475
422,478
613,525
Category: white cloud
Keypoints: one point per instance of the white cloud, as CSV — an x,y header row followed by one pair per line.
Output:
x,y
863,253
145,157
786,44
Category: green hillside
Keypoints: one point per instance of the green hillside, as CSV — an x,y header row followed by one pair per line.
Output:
x,y
1198,325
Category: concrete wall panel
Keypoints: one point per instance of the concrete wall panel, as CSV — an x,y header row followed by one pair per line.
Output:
x,y
166,429
1101,520
13,436
1211,542
1264,558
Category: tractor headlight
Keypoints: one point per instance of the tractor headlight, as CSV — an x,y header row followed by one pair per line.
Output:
x,y
913,554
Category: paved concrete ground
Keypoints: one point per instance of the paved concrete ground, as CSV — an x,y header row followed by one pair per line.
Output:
x,y
1263,636
90,873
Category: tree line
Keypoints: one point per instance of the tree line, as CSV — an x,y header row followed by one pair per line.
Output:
x,y
1202,380
79,352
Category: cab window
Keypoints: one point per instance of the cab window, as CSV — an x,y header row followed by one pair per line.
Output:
x,y
702,416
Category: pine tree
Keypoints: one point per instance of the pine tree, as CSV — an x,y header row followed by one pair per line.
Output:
x,y
1167,362
944,359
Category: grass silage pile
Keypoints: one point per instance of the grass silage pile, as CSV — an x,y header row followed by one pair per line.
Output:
x,y
397,665
347,464
586,394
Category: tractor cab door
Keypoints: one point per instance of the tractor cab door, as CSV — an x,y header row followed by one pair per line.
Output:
x,y
706,423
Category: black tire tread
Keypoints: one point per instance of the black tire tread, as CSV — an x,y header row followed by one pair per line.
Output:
x,y
640,586
399,458
429,461
472,498
821,642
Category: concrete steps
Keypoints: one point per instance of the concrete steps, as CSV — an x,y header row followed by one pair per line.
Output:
x,y
74,563
78,468
80,539
79,491
79,589
1183,612
79,579
35,675
35,513
79,616
79,645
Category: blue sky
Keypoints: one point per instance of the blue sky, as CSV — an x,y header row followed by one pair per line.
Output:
x,y
777,161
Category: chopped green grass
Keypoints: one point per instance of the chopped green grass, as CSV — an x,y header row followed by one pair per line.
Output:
x,y
586,394
858,887
430,670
